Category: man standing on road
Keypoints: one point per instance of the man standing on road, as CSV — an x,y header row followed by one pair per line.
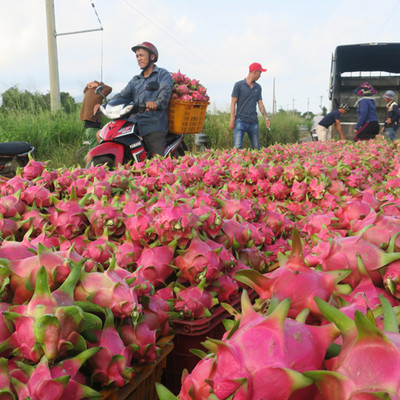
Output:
x,y
246,95
152,125
332,118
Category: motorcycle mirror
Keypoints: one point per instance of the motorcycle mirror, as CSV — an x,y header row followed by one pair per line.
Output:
x,y
152,86
98,89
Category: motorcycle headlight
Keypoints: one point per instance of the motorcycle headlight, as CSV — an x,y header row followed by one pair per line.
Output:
x,y
118,111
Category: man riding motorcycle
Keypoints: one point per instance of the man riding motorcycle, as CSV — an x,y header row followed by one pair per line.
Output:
x,y
152,125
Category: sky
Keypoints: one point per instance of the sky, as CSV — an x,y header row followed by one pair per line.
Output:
x,y
213,41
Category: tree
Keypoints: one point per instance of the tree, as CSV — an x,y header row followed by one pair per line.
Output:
x,y
14,99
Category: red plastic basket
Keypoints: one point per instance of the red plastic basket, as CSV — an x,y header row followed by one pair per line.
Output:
x,y
189,335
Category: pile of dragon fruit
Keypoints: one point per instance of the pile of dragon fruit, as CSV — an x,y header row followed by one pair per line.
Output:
x,y
96,263
187,89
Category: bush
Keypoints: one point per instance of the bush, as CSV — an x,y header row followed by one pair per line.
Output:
x,y
57,137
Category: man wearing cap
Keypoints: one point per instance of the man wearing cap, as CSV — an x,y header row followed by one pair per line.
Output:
x,y
333,117
392,118
246,95
151,125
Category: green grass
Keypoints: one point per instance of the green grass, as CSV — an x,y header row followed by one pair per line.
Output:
x,y
57,137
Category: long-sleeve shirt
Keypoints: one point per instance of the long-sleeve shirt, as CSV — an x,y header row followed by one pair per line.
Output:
x,y
90,99
366,112
393,114
150,121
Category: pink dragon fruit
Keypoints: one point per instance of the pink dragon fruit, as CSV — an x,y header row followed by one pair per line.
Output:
x,y
12,205
154,264
35,220
107,290
24,271
356,373
68,218
33,169
76,388
261,357
103,216
38,195
210,220
41,384
343,251
175,222
142,341
294,280
112,364
194,302
200,259
156,310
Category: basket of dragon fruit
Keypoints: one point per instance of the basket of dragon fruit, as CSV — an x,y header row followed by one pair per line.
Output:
x,y
187,106
142,386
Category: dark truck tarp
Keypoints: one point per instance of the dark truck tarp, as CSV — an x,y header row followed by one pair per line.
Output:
x,y
383,57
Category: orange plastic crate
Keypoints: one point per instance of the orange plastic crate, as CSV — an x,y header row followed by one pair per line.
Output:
x,y
142,387
186,116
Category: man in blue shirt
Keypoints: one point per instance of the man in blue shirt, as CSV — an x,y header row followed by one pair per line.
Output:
x,y
246,95
152,125
332,118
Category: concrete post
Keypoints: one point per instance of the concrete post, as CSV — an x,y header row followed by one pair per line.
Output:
x,y
55,99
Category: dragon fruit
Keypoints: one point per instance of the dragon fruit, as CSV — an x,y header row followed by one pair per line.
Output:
x,y
294,280
194,302
200,259
343,251
357,372
107,290
103,216
68,218
112,364
142,341
38,195
154,264
260,357
186,89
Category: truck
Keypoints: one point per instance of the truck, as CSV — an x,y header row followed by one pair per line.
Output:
x,y
353,64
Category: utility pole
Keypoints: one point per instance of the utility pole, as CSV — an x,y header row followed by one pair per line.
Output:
x,y
55,99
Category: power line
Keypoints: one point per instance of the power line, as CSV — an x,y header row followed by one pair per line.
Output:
x,y
128,2
387,19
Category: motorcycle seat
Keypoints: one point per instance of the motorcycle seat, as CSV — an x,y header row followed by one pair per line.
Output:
x,y
15,148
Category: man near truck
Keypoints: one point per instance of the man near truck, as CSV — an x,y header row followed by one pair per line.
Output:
x,y
332,118
392,118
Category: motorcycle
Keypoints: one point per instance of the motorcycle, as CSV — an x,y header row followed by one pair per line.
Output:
x,y
12,156
118,141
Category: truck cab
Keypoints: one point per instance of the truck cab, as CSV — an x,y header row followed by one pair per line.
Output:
x,y
375,63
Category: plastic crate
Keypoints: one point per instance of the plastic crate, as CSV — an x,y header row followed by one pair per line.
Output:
x,y
190,335
142,386
186,116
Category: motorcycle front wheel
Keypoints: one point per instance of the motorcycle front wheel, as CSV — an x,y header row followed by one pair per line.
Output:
x,y
100,160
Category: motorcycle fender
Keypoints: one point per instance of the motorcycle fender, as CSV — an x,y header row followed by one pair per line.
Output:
x,y
114,149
